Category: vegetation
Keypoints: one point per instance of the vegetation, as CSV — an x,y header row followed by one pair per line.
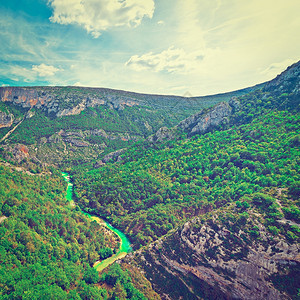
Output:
x,y
103,128
242,175
46,247
155,188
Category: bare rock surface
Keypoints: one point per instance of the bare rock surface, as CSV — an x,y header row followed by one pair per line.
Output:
x,y
6,119
206,260
115,156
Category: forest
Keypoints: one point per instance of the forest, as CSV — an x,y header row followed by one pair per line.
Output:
x,y
245,167
153,190
48,247
156,187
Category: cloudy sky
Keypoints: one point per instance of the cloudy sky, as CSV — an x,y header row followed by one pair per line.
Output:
x,y
152,46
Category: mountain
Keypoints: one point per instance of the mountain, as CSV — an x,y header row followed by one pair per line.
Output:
x,y
69,125
206,189
219,205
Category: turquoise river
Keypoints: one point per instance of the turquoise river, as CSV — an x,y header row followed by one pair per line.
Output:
x,y
125,243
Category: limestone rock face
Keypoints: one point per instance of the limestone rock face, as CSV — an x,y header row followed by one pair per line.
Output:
x,y
65,101
19,152
115,156
6,119
162,134
25,97
99,164
199,123
206,260
206,119
99,132
72,111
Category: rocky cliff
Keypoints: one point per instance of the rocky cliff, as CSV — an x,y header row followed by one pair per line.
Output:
x,y
163,134
206,119
210,259
64,101
202,122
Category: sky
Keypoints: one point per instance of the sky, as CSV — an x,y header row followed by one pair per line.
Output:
x,y
175,47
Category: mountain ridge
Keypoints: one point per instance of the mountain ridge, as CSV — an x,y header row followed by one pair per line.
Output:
x,y
209,196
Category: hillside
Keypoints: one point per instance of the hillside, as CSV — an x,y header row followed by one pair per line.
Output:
x,y
232,188
48,246
206,188
245,250
44,241
70,125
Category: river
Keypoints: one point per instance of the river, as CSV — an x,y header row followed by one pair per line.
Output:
x,y
125,243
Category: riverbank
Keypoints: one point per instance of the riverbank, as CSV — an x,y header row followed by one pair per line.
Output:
x,y
124,244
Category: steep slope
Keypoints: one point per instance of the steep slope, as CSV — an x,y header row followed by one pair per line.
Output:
x,y
236,252
72,125
46,246
232,188
283,92
152,182
152,189
213,197
62,101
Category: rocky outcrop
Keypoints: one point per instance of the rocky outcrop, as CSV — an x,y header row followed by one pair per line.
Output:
x,y
199,123
71,133
99,132
72,111
287,82
6,119
99,164
206,119
19,152
26,97
163,134
115,156
207,260
65,101
76,142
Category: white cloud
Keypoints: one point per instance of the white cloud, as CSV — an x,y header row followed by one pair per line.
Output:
x,y
171,60
44,70
161,22
96,16
17,72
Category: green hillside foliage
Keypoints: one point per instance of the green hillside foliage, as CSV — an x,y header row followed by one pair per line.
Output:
x,y
124,116
46,247
131,120
155,188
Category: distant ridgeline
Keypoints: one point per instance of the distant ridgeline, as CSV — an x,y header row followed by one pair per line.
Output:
x,y
206,188
73,124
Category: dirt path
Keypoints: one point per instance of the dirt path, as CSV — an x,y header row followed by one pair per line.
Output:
x,y
13,129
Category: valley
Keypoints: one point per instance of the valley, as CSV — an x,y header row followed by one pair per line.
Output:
x,y
171,197
124,245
